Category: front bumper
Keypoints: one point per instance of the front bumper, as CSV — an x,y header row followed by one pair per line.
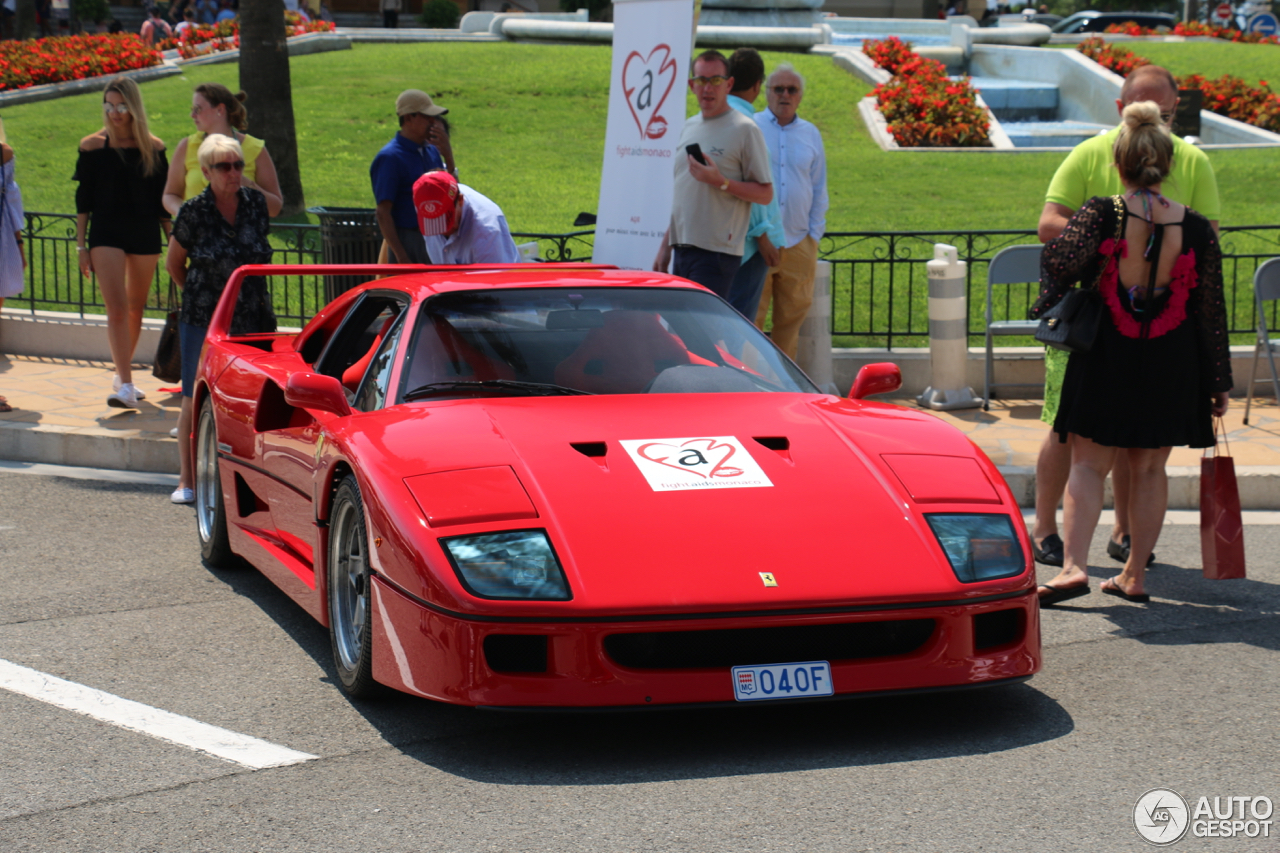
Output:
x,y
686,660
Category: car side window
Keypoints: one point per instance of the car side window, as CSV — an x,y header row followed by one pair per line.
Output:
x,y
373,389
352,347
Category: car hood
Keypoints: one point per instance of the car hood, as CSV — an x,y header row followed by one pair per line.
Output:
x,y
816,505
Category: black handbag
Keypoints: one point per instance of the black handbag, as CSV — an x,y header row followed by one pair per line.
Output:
x,y
1072,324
168,361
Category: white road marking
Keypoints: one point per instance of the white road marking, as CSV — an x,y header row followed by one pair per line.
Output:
x,y
135,716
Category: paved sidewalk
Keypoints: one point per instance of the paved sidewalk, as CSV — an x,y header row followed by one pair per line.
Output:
x,y
61,417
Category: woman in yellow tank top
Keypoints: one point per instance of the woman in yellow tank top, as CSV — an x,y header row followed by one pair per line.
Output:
x,y
215,110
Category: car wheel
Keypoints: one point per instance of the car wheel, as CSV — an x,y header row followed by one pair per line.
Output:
x,y
211,512
350,627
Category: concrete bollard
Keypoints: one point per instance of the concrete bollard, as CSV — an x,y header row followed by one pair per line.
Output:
x,y
813,347
948,333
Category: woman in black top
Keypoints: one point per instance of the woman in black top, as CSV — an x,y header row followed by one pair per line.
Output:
x,y
218,231
1160,368
121,171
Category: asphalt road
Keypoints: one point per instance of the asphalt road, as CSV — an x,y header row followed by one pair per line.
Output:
x,y
101,585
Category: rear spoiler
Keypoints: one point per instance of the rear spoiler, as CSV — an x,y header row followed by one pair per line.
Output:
x,y
220,324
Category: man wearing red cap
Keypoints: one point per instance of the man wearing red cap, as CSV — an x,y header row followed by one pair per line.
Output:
x,y
459,225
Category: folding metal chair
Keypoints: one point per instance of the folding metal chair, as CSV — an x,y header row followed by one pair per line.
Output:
x,y
1266,288
1014,265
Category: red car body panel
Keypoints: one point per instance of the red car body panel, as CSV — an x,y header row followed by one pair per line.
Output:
x,y
841,529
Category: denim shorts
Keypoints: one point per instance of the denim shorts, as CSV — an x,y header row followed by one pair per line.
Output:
x,y
192,340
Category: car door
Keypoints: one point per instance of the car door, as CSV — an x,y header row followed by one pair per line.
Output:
x,y
291,442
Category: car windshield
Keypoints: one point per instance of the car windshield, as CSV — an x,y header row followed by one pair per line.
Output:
x,y
559,341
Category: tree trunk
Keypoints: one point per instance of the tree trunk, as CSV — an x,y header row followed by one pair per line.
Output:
x,y
264,76
25,19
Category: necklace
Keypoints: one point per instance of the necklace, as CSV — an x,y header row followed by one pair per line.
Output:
x,y
1147,195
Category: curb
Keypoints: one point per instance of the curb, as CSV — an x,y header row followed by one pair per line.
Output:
x,y
151,452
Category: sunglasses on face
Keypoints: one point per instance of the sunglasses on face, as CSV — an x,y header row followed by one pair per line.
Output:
x,y
119,109
786,90
708,81
229,166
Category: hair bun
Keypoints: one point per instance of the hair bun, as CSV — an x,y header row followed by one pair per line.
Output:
x,y
1142,114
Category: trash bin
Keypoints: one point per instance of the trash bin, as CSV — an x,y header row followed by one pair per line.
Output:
x,y
348,235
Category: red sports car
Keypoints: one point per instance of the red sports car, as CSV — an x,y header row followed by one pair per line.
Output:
x,y
545,486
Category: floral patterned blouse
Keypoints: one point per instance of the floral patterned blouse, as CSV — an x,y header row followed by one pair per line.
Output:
x,y
1089,250
215,249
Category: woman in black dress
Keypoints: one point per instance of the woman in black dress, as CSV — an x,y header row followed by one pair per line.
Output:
x,y
121,171
1160,368
218,231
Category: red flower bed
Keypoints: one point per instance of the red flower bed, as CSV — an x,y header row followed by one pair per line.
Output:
x,y
1195,28
56,60
1234,98
1229,96
225,35
1121,60
921,105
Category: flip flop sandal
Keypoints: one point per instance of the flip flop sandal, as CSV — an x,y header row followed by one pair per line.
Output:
x,y
1058,594
1119,551
1049,551
1116,590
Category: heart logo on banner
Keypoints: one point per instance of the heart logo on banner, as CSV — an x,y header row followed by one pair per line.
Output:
x,y
642,81
704,457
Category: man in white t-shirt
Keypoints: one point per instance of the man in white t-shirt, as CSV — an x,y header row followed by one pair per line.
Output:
x,y
711,208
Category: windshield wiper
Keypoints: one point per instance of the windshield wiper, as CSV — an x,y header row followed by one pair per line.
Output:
x,y
431,389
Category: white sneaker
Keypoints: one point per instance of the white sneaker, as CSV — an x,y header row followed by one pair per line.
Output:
x,y
126,398
137,392
174,432
183,496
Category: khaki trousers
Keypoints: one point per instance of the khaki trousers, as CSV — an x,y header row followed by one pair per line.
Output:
x,y
789,286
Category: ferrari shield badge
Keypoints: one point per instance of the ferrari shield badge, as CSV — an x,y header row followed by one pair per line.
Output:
x,y
768,578
705,462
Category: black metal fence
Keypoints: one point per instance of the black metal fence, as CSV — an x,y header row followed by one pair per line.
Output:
x,y
879,288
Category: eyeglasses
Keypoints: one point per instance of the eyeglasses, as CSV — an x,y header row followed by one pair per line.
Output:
x,y
786,90
1167,118
225,166
197,109
708,81
119,109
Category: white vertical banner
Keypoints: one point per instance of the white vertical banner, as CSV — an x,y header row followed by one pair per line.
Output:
x,y
652,49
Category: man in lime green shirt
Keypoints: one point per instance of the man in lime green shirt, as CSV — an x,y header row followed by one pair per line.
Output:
x,y
1089,171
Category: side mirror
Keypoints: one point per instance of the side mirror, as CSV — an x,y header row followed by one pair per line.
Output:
x,y
317,392
879,378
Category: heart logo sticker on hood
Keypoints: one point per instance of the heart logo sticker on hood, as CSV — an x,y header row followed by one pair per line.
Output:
x,y
702,462
646,82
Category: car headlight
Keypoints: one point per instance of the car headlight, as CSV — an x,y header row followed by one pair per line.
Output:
x,y
510,564
980,547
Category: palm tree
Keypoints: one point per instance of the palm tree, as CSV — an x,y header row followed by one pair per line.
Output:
x,y
264,76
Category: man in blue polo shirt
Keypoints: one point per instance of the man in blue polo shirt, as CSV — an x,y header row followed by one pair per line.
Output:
x,y
421,146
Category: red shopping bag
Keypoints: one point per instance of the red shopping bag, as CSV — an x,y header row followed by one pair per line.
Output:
x,y
1221,527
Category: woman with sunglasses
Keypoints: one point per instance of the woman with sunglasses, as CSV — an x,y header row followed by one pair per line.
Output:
x,y
119,219
215,110
223,228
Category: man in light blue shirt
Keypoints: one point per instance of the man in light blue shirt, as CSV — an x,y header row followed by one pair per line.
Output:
x,y
799,164
764,231
459,225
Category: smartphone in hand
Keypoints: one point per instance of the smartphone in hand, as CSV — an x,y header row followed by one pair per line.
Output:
x,y
695,151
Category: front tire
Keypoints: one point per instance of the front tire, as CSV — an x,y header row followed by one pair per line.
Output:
x,y
350,626
211,512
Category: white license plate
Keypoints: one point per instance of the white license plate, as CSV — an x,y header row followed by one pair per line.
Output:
x,y
782,681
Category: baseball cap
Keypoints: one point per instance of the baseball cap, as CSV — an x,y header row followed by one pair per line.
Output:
x,y
435,198
416,101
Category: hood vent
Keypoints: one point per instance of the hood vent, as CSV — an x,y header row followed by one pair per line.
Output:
x,y
780,444
595,450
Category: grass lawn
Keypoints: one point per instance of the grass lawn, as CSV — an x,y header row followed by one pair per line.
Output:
x,y
529,132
